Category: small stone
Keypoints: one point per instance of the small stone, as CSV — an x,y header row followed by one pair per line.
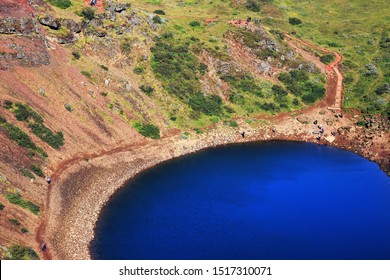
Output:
x,y
41,91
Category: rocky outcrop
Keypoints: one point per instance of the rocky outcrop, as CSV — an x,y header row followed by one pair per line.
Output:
x,y
51,22
71,25
24,26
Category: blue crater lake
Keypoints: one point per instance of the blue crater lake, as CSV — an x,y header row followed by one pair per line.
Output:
x,y
273,200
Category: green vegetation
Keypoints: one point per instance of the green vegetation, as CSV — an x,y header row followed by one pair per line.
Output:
x,y
18,135
62,4
24,230
25,113
298,83
359,33
194,23
231,123
105,68
139,70
86,74
88,13
148,130
159,12
37,170
18,252
1,206
327,58
146,89
253,5
174,63
157,19
76,55
126,46
16,198
26,173
14,222
294,21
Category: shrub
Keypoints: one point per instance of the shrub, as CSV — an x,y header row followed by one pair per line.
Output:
x,y
157,19
54,140
194,23
237,98
8,104
62,4
15,222
148,130
1,206
270,106
294,21
147,89
86,74
159,12
231,123
19,136
24,230
18,252
37,170
209,105
139,70
26,173
88,13
253,5
16,198
126,47
105,68
327,58
23,112
76,55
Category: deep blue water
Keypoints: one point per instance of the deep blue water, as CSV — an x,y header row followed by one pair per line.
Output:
x,y
275,200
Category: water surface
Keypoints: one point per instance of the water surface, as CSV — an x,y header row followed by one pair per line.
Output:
x,y
274,200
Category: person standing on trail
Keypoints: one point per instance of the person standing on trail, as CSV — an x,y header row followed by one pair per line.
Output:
x,y
243,134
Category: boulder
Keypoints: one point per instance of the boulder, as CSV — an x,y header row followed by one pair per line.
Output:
x,y
71,25
51,22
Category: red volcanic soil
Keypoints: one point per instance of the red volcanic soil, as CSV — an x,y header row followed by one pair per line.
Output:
x,y
15,8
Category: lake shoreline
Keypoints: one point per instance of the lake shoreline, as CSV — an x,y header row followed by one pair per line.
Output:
x,y
84,188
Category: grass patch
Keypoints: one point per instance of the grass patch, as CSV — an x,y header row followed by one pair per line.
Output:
x,y
148,130
62,4
26,173
231,123
19,252
25,113
14,222
16,198
37,170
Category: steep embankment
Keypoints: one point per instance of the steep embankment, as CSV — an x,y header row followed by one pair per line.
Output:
x,y
91,82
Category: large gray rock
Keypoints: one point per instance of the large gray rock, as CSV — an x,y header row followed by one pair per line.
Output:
x,y
71,25
51,22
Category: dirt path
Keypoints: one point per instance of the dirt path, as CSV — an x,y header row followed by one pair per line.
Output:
x,y
334,86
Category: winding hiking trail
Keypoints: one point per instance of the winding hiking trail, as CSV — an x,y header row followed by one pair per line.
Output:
x,y
334,86
331,101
